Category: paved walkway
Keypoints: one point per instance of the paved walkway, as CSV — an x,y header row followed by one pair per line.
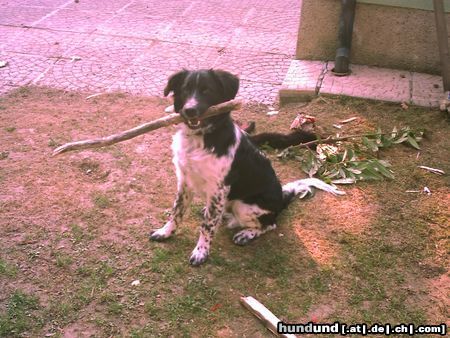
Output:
x,y
306,79
134,45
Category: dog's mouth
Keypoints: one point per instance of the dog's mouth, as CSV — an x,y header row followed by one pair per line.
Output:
x,y
194,123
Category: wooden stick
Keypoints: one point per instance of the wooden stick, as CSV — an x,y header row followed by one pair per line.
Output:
x,y
268,318
142,129
330,140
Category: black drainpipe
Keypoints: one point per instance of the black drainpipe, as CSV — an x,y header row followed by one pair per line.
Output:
x,y
342,61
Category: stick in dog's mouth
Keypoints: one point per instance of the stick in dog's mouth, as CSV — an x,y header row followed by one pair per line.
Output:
x,y
145,128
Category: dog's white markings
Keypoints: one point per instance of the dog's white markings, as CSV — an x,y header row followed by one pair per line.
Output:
x,y
191,103
165,232
182,202
243,237
303,187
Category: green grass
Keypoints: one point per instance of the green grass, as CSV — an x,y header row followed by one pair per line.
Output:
x,y
19,316
7,269
101,200
63,260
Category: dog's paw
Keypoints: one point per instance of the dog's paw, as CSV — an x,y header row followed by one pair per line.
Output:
x,y
161,234
199,256
243,237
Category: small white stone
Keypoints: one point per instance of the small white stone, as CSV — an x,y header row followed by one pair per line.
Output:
x,y
135,282
272,112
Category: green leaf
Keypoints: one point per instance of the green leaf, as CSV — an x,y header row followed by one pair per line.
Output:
x,y
383,170
370,144
412,141
371,174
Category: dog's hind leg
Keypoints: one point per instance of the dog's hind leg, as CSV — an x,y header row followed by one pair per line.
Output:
x,y
213,216
182,201
254,220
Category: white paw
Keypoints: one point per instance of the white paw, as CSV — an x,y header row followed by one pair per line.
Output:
x,y
162,233
244,236
199,255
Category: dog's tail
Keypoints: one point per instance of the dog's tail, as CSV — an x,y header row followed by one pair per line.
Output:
x,y
304,187
282,141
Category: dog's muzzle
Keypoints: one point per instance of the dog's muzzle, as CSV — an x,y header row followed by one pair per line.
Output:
x,y
192,118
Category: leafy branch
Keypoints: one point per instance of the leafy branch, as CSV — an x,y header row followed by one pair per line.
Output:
x,y
351,161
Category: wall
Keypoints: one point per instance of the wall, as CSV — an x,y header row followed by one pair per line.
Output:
x,y
385,36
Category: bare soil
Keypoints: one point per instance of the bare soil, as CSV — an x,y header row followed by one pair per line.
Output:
x,y
74,228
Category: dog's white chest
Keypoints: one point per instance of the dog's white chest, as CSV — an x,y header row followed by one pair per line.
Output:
x,y
201,170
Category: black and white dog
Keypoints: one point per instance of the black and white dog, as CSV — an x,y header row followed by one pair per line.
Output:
x,y
215,160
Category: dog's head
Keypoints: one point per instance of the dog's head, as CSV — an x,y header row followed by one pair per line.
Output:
x,y
195,91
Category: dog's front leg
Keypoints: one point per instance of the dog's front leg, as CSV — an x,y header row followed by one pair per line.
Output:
x,y
182,201
213,216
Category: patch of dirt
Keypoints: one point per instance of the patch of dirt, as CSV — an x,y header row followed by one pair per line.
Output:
x,y
74,227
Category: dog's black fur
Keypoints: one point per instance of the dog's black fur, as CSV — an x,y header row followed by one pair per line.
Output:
x,y
218,161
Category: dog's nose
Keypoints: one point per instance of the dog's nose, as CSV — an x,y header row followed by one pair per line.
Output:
x,y
190,112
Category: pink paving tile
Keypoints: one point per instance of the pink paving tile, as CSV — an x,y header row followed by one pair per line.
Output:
x,y
369,82
106,49
159,9
141,80
302,80
203,11
105,6
45,42
263,39
9,34
84,75
200,33
74,20
174,56
278,19
427,90
45,3
17,15
135,25
255,66
261,92
22,69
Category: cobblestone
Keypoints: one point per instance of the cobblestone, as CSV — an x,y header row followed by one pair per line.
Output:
x,y
306,79
369,82
426,90
134,45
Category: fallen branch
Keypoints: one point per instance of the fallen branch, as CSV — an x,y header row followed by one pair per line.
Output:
x,y
330,140
264,314
432,170
142,129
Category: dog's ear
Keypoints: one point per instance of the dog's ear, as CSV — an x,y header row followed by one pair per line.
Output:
x,y
228,81
175,81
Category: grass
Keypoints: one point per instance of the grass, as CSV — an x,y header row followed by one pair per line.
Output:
x,y
101,200
372,256
6,269
19,316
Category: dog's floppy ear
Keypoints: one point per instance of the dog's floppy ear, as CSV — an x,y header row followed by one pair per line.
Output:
x,y
175,81
228,81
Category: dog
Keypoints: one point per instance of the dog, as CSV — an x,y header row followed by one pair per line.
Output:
x,y
217,161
